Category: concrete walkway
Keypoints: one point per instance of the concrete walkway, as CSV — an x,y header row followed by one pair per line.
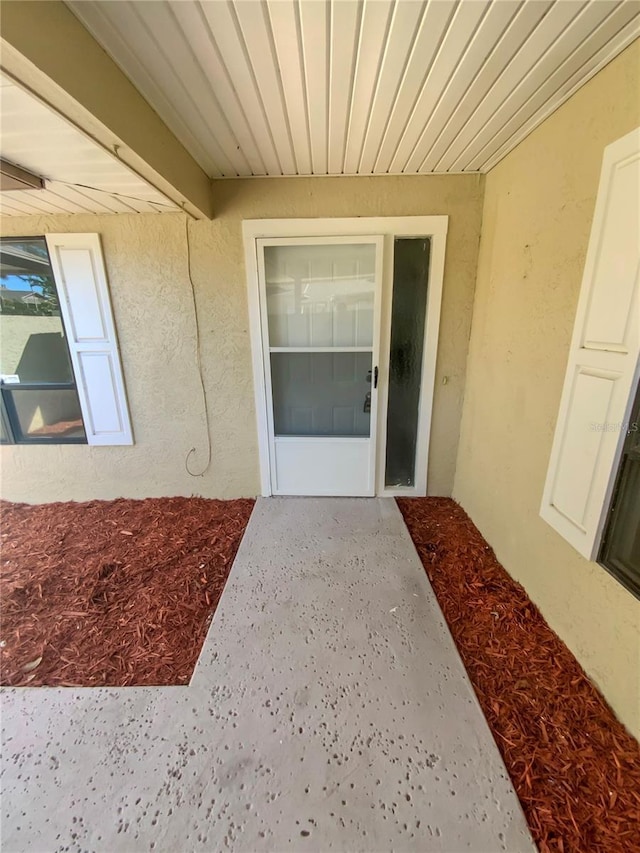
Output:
x,y
329,711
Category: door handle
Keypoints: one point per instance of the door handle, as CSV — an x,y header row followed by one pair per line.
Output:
x,y
375,377
367,402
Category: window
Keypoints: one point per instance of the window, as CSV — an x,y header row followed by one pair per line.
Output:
x,y
40,403
62,379
620,552
408,318
601,383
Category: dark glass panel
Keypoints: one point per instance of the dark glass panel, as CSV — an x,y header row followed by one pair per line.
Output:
x,y
45,413
620,552
408,314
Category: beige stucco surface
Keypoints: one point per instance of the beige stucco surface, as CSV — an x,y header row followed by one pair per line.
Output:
x,y
538,209
146,261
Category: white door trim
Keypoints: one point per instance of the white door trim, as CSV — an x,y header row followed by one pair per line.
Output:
x,y
434,227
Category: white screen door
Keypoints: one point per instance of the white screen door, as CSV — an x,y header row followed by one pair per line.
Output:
x,y
320,311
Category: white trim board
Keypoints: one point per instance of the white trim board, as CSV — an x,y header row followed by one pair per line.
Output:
x,y
434,227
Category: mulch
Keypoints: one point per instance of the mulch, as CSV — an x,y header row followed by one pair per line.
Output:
x,y
122,593
575,767
112,593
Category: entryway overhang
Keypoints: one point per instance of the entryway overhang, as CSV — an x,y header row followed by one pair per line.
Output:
x,y
47,52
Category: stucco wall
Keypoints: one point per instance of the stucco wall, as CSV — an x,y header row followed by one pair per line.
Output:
x,y
150,291
538,209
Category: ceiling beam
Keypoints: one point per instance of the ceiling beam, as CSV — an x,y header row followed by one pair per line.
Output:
x,y
47,50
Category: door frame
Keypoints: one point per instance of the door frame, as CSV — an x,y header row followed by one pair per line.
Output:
x,y
434,227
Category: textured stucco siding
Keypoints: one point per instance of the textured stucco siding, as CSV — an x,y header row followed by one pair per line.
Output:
x,y
538,209
146,262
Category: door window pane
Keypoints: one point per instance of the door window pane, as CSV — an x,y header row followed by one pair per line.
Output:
x,y
408,313
321,394
320,295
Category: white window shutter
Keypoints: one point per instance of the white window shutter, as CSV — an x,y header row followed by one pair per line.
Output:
x,y
603,359
81,280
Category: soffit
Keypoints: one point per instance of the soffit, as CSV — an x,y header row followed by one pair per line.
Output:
x,y
303,87
79,175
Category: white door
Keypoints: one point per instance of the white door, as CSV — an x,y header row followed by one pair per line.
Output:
x,y
320,314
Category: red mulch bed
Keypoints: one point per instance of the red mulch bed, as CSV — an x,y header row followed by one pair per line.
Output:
x,y
575,767
116,593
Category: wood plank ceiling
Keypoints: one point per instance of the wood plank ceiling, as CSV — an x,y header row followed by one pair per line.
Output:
x,y
302,87
80,176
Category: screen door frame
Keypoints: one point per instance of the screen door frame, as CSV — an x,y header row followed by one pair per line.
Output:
x,y
433,227
347,462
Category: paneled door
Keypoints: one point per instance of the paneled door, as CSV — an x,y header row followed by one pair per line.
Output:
x,y
320,314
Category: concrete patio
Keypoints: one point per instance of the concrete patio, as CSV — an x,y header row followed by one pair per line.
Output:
x,y
329,710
